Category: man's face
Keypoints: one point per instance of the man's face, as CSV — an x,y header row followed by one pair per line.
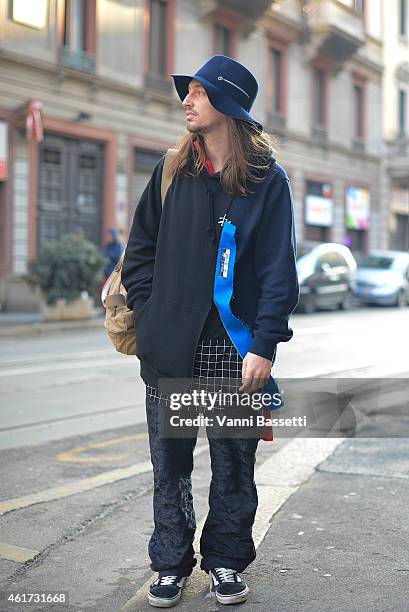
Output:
x,y
201,116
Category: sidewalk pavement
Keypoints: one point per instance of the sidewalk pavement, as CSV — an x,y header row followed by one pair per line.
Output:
x,y
32,323
341,542
337,541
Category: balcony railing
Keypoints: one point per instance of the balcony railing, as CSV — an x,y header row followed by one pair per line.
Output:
x,y
358,145
332,29
397,153
249,9
319,133
400,146
78,60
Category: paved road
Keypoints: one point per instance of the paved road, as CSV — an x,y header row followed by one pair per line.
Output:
x,y
76,479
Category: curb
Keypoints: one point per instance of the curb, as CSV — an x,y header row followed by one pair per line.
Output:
x,y
33,329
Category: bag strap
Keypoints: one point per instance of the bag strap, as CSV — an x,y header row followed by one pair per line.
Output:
x,y
166,178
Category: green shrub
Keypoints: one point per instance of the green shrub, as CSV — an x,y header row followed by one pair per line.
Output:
x,y
66,267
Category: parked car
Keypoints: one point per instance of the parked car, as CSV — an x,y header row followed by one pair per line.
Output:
x,y
382,277
325,273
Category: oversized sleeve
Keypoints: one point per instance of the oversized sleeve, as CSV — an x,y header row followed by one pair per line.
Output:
x,y
139,259
275,266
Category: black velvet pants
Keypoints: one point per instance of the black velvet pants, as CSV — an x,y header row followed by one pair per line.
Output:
x,y
226,539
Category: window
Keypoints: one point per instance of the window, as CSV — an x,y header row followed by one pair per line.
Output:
x,y
318,189
376,262
402,105
224,29
357,240
276,80
159,54
222,40
403,17
70,188
32,14
225,25
358,6
333,259
358,112
79,35
158,37
144,162
399,240
339,261
323,260
318,211
74,25
319,92
52,156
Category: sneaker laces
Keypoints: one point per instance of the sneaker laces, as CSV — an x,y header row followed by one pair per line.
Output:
x,y
165,580
225,574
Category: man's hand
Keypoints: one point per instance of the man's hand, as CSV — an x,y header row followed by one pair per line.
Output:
x,y
255,372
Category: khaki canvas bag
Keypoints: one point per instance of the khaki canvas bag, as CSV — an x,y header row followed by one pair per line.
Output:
x,y
119,319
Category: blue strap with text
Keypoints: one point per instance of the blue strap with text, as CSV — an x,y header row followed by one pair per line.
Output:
x,y
239,333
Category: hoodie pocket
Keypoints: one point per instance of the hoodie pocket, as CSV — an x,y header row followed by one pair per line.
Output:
x,y
167,334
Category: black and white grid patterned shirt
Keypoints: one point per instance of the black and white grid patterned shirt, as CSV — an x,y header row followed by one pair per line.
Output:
x,y
217,366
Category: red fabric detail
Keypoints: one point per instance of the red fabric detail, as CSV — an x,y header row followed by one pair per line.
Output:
x,y
34,121
206,161
268,430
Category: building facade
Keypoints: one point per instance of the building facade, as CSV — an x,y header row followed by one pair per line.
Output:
x,y
87,107
395,122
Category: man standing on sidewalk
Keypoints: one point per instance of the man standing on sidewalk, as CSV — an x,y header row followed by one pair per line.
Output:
x,y
223,172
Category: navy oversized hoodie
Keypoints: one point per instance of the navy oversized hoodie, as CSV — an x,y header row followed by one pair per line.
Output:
x,y
168,269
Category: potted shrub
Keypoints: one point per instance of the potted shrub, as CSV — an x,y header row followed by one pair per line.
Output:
x,y
68,272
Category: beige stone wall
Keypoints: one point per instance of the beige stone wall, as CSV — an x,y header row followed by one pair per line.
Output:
x,y
396,51
117,100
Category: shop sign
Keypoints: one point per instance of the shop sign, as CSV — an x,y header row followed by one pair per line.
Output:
x,y
318,210
357,201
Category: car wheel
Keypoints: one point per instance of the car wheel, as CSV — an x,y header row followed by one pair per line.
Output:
x,y
401,299
346,301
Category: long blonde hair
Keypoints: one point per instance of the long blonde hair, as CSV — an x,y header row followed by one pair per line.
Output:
x,y
252,153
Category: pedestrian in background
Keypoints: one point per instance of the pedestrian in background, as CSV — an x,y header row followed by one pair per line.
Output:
x,y
224,172
112,250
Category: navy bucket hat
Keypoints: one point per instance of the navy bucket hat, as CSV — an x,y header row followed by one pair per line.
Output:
x,y
230,87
